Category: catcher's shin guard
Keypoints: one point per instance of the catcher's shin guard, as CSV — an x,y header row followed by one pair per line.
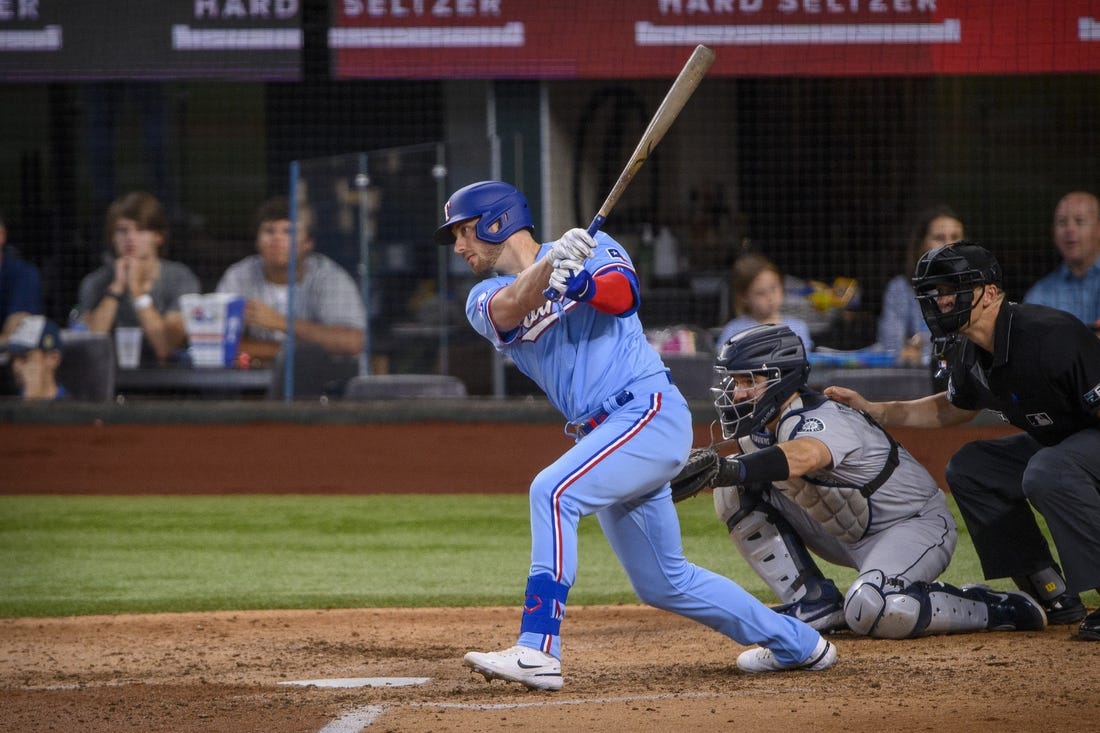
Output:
x,y
881,607
768,543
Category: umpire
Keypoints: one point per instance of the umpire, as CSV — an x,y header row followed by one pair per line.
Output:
x,y
1040,369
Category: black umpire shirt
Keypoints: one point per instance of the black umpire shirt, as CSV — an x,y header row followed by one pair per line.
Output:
x,y
1043,377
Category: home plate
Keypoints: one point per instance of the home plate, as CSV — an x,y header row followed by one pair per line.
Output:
x,y
361,682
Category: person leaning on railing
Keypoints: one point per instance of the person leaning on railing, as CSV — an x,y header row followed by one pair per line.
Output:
x,y
135,286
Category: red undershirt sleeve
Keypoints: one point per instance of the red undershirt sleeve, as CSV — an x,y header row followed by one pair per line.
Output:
x,y
614,294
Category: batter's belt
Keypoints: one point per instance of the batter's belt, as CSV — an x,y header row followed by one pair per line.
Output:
x,y
584,425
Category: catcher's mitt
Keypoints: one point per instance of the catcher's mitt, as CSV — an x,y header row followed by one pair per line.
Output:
x,y
698,473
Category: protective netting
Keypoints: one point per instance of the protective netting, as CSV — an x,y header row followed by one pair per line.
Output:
x,y
823,129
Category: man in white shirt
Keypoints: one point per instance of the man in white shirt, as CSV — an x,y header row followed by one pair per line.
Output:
x,y
328,309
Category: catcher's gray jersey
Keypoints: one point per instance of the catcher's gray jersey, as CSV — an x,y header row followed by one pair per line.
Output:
x,y
829,510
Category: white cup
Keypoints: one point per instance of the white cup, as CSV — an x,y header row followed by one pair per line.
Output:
x,y
128,346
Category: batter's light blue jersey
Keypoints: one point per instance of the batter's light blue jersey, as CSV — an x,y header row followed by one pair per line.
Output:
x,y
579,356
617,470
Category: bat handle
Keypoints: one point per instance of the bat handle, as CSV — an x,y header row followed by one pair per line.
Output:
x,y
594,227
597,223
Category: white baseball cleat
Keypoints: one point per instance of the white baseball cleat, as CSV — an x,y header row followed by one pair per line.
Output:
x,y
762,660
522,664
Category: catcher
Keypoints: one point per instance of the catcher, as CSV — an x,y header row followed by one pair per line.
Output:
x,y
815,473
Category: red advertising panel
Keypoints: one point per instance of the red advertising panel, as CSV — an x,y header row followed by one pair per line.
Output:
x,y
645,38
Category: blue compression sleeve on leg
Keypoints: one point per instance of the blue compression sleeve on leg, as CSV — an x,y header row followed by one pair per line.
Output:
x,y
543,605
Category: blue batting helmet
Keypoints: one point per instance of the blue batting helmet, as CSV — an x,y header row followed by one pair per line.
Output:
x,y
494,202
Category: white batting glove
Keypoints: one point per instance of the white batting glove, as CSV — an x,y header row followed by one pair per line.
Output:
x,y
572,280
563,270
576,245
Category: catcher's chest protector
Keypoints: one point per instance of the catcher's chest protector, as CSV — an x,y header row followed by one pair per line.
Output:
x,y
843,512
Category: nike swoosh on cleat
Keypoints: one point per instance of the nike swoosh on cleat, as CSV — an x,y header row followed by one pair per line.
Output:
x,y
521,665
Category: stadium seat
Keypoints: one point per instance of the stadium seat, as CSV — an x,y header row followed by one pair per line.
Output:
x,y
402,386
88,366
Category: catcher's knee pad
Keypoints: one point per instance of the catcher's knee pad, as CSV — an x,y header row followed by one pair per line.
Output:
x,y
766,540
874,606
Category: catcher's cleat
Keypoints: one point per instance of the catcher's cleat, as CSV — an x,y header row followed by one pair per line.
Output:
x,y
1010,610
1090,627
1064,609
762,660
826,614
530,667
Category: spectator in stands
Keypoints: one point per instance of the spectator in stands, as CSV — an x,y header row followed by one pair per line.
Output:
x,y
758,299
20,295
135,286
20,286
1075,286
35,349
901,327
328,310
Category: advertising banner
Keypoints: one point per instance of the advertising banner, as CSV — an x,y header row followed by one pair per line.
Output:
x,y
539,39
647,38
150,39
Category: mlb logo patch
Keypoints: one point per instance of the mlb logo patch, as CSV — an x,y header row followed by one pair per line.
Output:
x,y
1039,420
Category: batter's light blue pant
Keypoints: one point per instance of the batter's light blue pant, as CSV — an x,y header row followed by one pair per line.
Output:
x,y
620,472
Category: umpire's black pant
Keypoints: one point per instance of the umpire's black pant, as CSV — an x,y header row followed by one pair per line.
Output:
x,y
993,481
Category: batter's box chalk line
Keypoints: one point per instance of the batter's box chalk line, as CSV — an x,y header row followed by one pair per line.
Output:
x,y
355,721
360,682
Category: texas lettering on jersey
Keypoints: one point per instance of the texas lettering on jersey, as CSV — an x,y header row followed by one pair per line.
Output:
x,y
542,318
534,323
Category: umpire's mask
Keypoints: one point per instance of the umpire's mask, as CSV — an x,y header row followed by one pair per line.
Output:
x,y
955,270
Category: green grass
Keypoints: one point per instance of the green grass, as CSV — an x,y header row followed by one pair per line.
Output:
x,y
74,555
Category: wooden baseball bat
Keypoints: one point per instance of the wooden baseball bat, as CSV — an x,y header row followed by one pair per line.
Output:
x,y
677,96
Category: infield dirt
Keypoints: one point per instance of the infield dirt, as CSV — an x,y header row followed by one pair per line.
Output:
x,y
626,668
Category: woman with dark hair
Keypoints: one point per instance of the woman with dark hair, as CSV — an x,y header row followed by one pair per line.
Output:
x,y
901,328
135,286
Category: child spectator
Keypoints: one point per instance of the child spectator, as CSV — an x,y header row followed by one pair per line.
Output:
x,y
35,349
758,299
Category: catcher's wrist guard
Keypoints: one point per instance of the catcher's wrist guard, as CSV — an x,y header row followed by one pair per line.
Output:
x,y
767,465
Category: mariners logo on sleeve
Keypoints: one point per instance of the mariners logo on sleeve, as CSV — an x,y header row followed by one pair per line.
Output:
x,y
1092,397
811,425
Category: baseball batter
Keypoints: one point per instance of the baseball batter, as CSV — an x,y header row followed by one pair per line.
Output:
x,y
633,430
814,473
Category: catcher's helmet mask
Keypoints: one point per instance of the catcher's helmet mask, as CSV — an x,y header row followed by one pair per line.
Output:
x,y
956,269
500,208
772,352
